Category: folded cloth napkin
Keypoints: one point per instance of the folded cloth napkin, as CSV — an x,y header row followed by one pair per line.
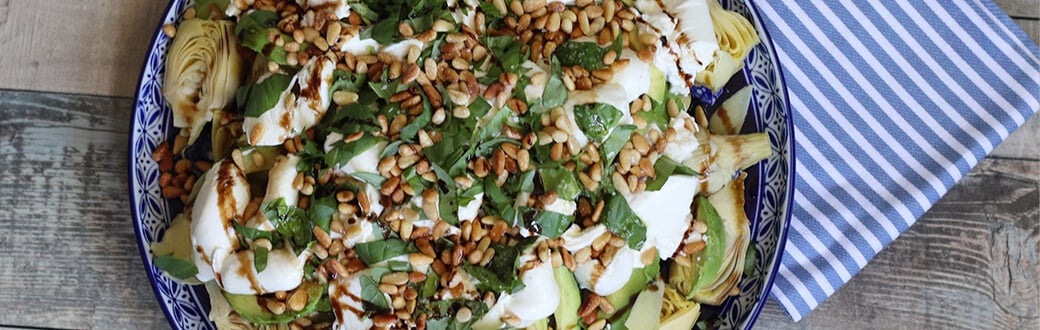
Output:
x,y
893,102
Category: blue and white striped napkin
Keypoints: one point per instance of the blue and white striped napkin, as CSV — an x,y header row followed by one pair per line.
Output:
x,y
893,102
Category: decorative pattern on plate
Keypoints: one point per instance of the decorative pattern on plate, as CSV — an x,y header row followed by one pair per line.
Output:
x,y
770,184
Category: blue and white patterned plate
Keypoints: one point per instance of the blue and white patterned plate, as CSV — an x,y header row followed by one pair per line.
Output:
x,y
769,185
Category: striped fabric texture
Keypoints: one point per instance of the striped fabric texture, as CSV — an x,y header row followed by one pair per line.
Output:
x,y
893,102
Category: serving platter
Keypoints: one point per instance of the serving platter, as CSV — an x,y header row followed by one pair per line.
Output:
x,y
769,184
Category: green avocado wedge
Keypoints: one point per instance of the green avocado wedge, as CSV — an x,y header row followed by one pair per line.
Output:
x,y
248,306
566,314
704,266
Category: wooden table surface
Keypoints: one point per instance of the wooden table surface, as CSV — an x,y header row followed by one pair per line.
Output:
x,y
68,258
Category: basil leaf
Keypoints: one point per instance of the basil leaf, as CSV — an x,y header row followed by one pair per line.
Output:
x,y
596,120
176,267
254,234
588,55
322,210
555,95
664,168
612,146
479,108
561,180
383,32
555,92
549,224
385,90
750,259
342,152
409,131
390,149
442,314
373,179
265,94
370,293
429,287
399,266
288,221
488,280
376,251
490,10
622,221
348,81
259,258
658,113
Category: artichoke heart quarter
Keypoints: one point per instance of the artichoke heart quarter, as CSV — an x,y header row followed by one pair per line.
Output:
x,y
717,273
203,71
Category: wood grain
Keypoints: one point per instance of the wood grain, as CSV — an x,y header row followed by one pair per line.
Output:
x,y
68,257
90,47
970,263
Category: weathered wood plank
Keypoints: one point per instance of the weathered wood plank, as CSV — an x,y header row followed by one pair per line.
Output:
x,y
1020,8
68,257
90,47
1022,143
1031,27
970,263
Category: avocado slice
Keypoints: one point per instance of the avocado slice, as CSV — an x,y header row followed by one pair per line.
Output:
x,y
636,283
658,84
646,312
542,324
248,306
566,314
704,266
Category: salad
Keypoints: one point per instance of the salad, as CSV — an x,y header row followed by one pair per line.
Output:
x,y
451,164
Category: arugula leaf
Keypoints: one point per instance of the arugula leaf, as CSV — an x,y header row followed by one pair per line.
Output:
x,y
373,179
596,120
260,258
612,146
321,211
376,251
289,221
176,267
664,168
252,29
370,293
494,126
588,55
549,224
265,94
343,152
622,221
561,180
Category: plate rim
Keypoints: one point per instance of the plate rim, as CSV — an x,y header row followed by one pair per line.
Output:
x,y
792,162
135,214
